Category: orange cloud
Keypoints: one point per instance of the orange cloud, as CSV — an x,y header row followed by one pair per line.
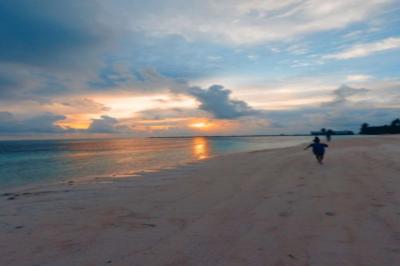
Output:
x,y
77,121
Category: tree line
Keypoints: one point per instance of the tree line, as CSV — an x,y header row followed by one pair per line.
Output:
x,y
393,128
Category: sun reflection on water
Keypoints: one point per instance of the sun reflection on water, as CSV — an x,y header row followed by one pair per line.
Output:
x,y
201,148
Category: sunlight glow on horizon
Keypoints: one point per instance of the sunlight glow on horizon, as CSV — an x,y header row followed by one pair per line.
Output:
x,y
77,121
201,125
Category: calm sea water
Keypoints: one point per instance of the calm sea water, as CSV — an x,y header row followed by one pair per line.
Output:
x,y
26,162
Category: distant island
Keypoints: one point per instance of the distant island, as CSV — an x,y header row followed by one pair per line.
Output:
x,y
366,129
326,132
393,128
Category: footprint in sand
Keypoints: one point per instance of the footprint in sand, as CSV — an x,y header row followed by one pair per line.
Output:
x,y
149,225
330,213
317,196
13,196
284,214
396,235
394,250
179,222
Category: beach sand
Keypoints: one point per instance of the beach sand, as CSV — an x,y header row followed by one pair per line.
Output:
x,y
272,207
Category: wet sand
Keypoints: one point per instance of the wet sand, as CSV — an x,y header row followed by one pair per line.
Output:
x,y
273,207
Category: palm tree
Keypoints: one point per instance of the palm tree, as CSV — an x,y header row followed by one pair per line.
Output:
x,y
364,128
395,123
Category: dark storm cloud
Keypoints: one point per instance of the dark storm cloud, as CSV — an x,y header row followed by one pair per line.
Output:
x,y
47,32
106,124
13,81
217,101
43,123
344,92
49,47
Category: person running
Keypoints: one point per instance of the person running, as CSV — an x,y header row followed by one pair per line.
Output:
x,y
318,149
329,135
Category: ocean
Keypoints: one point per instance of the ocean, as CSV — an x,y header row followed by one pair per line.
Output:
x,y
26,162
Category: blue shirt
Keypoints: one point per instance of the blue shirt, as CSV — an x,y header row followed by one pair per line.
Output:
x,y
318,148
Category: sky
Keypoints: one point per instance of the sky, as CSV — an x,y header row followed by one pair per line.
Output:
x,y
72,68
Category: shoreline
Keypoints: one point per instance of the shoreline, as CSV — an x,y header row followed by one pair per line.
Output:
x,y
133,174
141,174
264,207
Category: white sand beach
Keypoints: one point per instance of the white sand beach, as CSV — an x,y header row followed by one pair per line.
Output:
x,y
272,207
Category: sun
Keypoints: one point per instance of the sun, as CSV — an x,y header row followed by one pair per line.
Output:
x,y
199,125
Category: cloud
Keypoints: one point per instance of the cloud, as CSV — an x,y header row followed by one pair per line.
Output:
x,y
358,78
349,108
49,47
366,49
43,123
58,55
248,22
343,93
217,101
169,113
56,33
120,77
46,123
75,106
16,83
328,116
107,124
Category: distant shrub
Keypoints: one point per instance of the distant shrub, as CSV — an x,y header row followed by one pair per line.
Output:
x,y
393,128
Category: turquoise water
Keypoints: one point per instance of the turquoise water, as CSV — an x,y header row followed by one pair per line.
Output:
x,y
27,162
